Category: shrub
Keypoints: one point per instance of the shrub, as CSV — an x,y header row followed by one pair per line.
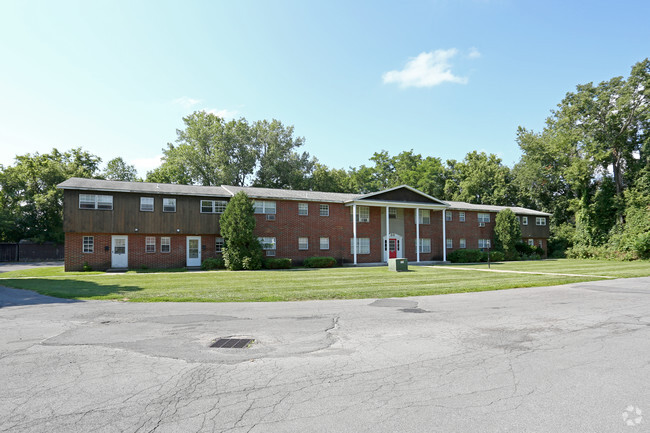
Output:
x,y
507,231
497,256
86,267
277,263
237,223
213,263
465,256
319,262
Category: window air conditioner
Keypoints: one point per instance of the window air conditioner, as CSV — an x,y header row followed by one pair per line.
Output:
x,y
270,217
481,224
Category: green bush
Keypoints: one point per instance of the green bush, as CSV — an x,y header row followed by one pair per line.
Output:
x,y
465,256
213,263
86,267
277,263
319,262
497,256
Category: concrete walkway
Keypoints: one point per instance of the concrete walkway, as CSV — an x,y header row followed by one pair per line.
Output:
x,y
519,272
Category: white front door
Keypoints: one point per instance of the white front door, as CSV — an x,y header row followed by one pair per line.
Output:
x,y
194,251
120,252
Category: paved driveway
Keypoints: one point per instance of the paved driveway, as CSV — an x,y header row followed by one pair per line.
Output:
x,y
19,266
573,358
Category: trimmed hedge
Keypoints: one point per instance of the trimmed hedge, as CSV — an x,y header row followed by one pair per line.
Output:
x,y
213,263
496,256
319,262
465,256
277,263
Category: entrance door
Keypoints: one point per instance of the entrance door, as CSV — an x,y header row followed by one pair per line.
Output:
x,y
392,248
120,252
194,251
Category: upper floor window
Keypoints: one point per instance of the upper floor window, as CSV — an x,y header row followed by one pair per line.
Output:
x,y
540,221
524,220
94,201
363,214
484,217
425,216
213,206
448,216
324,210
169,205
461,217
146,204
262,206
303,208
392,213
518,219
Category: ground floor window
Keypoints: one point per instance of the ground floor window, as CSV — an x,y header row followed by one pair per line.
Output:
x,y
363,246
267,243
540,243
425,245
303,243
324,243
531,242
218,245
484,243
89,244
165,244
450,243
463,243
150,244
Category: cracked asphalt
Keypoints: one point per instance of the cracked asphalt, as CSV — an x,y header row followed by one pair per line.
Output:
x,y
569,358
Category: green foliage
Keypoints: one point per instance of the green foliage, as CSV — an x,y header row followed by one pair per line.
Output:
x,y
242,249
466,256
281,263
507,231
118,169
213,263
480,179
319,262
86,267
496,256
331,180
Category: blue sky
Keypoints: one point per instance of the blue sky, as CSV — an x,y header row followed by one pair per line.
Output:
x,y
440,77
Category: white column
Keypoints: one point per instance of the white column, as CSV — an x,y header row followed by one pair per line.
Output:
x,y
417,231
444,236
387,244
354,231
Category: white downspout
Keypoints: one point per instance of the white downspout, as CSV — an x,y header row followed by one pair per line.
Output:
x,y
417,231
354,232
444,236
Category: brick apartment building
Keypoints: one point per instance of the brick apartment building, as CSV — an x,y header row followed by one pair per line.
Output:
x,y
112,224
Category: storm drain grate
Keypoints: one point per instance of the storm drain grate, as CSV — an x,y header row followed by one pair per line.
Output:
x,y
232,343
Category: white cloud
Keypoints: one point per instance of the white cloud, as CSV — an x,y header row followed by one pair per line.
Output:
x,y
225,113
426,70
186,102
474,53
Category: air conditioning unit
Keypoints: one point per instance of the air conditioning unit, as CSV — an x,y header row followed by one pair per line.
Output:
x,y
270,217
481,224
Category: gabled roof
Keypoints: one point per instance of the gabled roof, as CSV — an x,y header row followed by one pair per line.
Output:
x,y
461,205
142,187
291,194
385,195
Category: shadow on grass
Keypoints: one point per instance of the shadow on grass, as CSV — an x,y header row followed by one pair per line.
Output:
x,y
71,290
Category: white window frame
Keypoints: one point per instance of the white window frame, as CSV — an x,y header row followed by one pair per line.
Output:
x,y
88,244
363,246
165,241
324,243
540,221
486,243
167,205
462,243
99,202
324,210
461,217
363,214
540,243
147,204
392,213
147,244
303,243
531,242
303,209
425,219
450,243
449,216
264,207
268,243
524,220
219,244
216,206
425,245
483,217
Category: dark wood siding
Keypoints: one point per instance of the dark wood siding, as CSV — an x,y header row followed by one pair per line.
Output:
x,y
534,231
126,215
402,195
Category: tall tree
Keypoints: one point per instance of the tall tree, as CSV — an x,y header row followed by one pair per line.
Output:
x,y
118,169
507,233
237,224
479,178
330,179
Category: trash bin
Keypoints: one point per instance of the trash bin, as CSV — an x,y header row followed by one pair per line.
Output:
x,y
398,265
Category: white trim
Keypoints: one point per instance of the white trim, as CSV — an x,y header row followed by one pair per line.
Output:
x,y
116,259
399,246
444,237
196,261
354,231
417,232
397,204
410,188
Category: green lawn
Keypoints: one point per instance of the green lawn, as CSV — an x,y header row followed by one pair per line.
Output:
x,y
304,284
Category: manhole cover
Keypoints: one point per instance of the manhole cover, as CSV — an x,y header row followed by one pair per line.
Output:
x,y
232,343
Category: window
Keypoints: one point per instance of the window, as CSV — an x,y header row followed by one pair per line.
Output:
x,y
324,243
303,209
540,221
169,205
261,206
303,243
461,217
363,246
146,204
218,245
267,243
463,243
93,201
363,214
89,244
484,217
425,245
165,245
213,206
150,244
484,243
425,216
450,243
531,242
392,213
324,210
448,216
518,219
524,220
540,243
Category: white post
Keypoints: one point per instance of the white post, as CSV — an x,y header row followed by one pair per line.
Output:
x,y
354,232
417,231
387,248
444,236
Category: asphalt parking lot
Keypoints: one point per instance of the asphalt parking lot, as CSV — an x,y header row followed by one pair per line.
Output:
x,y
570,358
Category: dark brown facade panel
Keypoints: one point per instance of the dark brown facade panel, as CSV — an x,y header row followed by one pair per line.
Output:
x,y
403,195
